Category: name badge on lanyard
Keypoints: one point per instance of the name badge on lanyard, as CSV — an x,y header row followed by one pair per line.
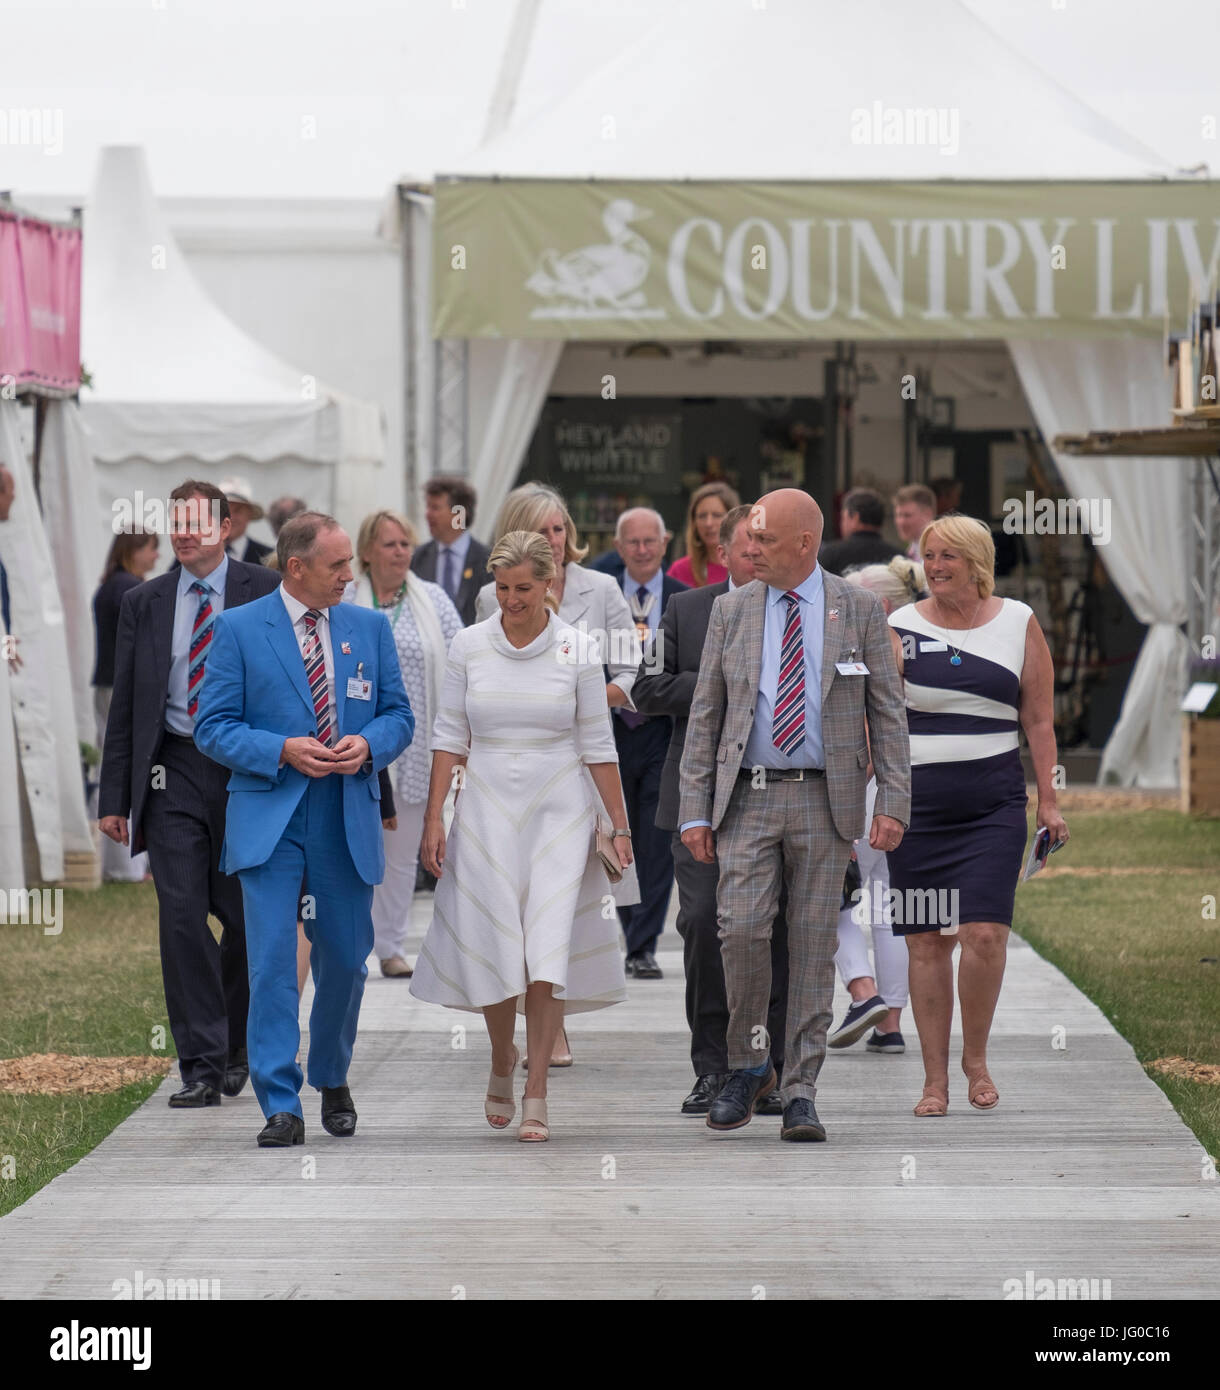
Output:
x,y
357,687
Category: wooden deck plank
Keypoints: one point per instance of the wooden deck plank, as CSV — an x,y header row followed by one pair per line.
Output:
x,y
1084,1171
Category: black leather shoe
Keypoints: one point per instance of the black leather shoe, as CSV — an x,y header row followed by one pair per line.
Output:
x,y
706,1089
771,1104
237,1073
282,1131
338,1112
801,1123
734,1106
195,1096
646,967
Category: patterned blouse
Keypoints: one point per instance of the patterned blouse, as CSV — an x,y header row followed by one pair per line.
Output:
x,y
413,767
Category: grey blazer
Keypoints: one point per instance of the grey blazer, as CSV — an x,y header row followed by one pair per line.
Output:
x,y
673,658
722,712
596,601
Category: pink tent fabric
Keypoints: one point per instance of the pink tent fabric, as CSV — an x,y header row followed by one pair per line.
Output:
x,y
40,278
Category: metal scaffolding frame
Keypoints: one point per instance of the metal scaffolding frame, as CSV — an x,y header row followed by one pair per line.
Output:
x,y
1203,553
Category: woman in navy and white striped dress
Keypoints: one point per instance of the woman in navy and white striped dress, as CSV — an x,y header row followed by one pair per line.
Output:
x,y
976,667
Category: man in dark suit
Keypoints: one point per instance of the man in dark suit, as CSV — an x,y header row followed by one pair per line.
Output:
x,y
159,793
666,685
641,538
452,558
861,517
242,511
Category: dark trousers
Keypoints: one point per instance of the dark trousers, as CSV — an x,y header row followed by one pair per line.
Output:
x,y
641,755
207,989
707,1007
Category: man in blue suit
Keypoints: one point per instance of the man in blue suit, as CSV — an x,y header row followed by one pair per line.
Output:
x,y
303,700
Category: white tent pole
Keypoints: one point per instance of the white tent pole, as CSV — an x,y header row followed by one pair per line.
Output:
x,y
504,95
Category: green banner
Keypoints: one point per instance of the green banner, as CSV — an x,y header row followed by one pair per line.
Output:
x,y
540,259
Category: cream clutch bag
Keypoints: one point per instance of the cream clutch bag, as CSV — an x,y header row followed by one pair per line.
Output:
x,y
604,844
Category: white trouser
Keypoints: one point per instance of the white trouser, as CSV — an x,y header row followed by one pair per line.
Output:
x,y
889,951
392,897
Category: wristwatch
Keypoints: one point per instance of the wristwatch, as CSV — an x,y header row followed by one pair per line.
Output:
x,y
620,834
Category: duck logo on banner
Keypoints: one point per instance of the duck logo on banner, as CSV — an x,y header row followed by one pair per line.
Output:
x,y
601,280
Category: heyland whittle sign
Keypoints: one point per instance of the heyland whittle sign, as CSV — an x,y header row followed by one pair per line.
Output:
x,y
535,259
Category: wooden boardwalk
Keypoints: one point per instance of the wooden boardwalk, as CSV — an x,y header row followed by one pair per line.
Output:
x,y
1083,1172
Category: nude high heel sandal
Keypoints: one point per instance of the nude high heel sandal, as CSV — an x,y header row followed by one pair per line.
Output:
x,y
533,1128
499,1105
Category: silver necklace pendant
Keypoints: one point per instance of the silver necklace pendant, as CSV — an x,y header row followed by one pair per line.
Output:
x,y
955,659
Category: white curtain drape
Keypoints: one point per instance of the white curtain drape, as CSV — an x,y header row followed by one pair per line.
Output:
x,y
515,374
1073,387
44,721
77,544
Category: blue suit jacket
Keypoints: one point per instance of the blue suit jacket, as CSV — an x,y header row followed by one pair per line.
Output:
x,y
255,695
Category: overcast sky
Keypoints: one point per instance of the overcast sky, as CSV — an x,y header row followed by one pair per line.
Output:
x,y
325,98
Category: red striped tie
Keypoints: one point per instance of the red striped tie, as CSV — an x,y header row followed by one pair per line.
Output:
x,y
315,670
201,640
788,720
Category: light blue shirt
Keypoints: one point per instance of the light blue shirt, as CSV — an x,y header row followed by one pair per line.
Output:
x,y
654,586
760,751
186,606
458,550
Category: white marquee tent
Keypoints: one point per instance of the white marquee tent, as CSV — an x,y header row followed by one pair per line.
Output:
x,y
179,390
773,91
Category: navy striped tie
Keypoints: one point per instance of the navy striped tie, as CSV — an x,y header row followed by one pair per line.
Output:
x,y
201,640
788,721
315,671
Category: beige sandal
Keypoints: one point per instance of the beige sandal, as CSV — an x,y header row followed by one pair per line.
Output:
x,y
934,1102
558,1059
499,1104
533,1128
979,1083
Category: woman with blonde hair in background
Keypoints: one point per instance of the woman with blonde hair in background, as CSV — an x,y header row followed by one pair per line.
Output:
x,y
518,924
879,994
588,600
976,670
424,622
709,505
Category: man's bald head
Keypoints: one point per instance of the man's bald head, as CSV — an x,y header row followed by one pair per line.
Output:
x,y
786,527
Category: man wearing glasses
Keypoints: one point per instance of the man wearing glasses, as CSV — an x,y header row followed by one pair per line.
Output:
x,y
640,539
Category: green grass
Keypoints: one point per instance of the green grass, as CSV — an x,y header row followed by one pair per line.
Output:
x,y
1135,944
93,990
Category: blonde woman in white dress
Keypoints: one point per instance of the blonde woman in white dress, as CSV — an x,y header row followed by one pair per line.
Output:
x,y
587,600
519,919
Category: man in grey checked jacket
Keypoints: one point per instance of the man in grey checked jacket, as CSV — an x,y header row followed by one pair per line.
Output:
x,y
797,684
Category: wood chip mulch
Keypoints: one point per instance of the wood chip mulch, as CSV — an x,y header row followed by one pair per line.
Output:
x,y
58,1073
1206,1072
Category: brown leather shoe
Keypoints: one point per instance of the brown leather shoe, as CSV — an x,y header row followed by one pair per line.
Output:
x,y
394,967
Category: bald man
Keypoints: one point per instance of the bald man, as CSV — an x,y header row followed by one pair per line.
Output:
x,y
797,675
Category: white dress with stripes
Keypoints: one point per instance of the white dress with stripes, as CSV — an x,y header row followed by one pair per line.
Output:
x,y
963,697
522,896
